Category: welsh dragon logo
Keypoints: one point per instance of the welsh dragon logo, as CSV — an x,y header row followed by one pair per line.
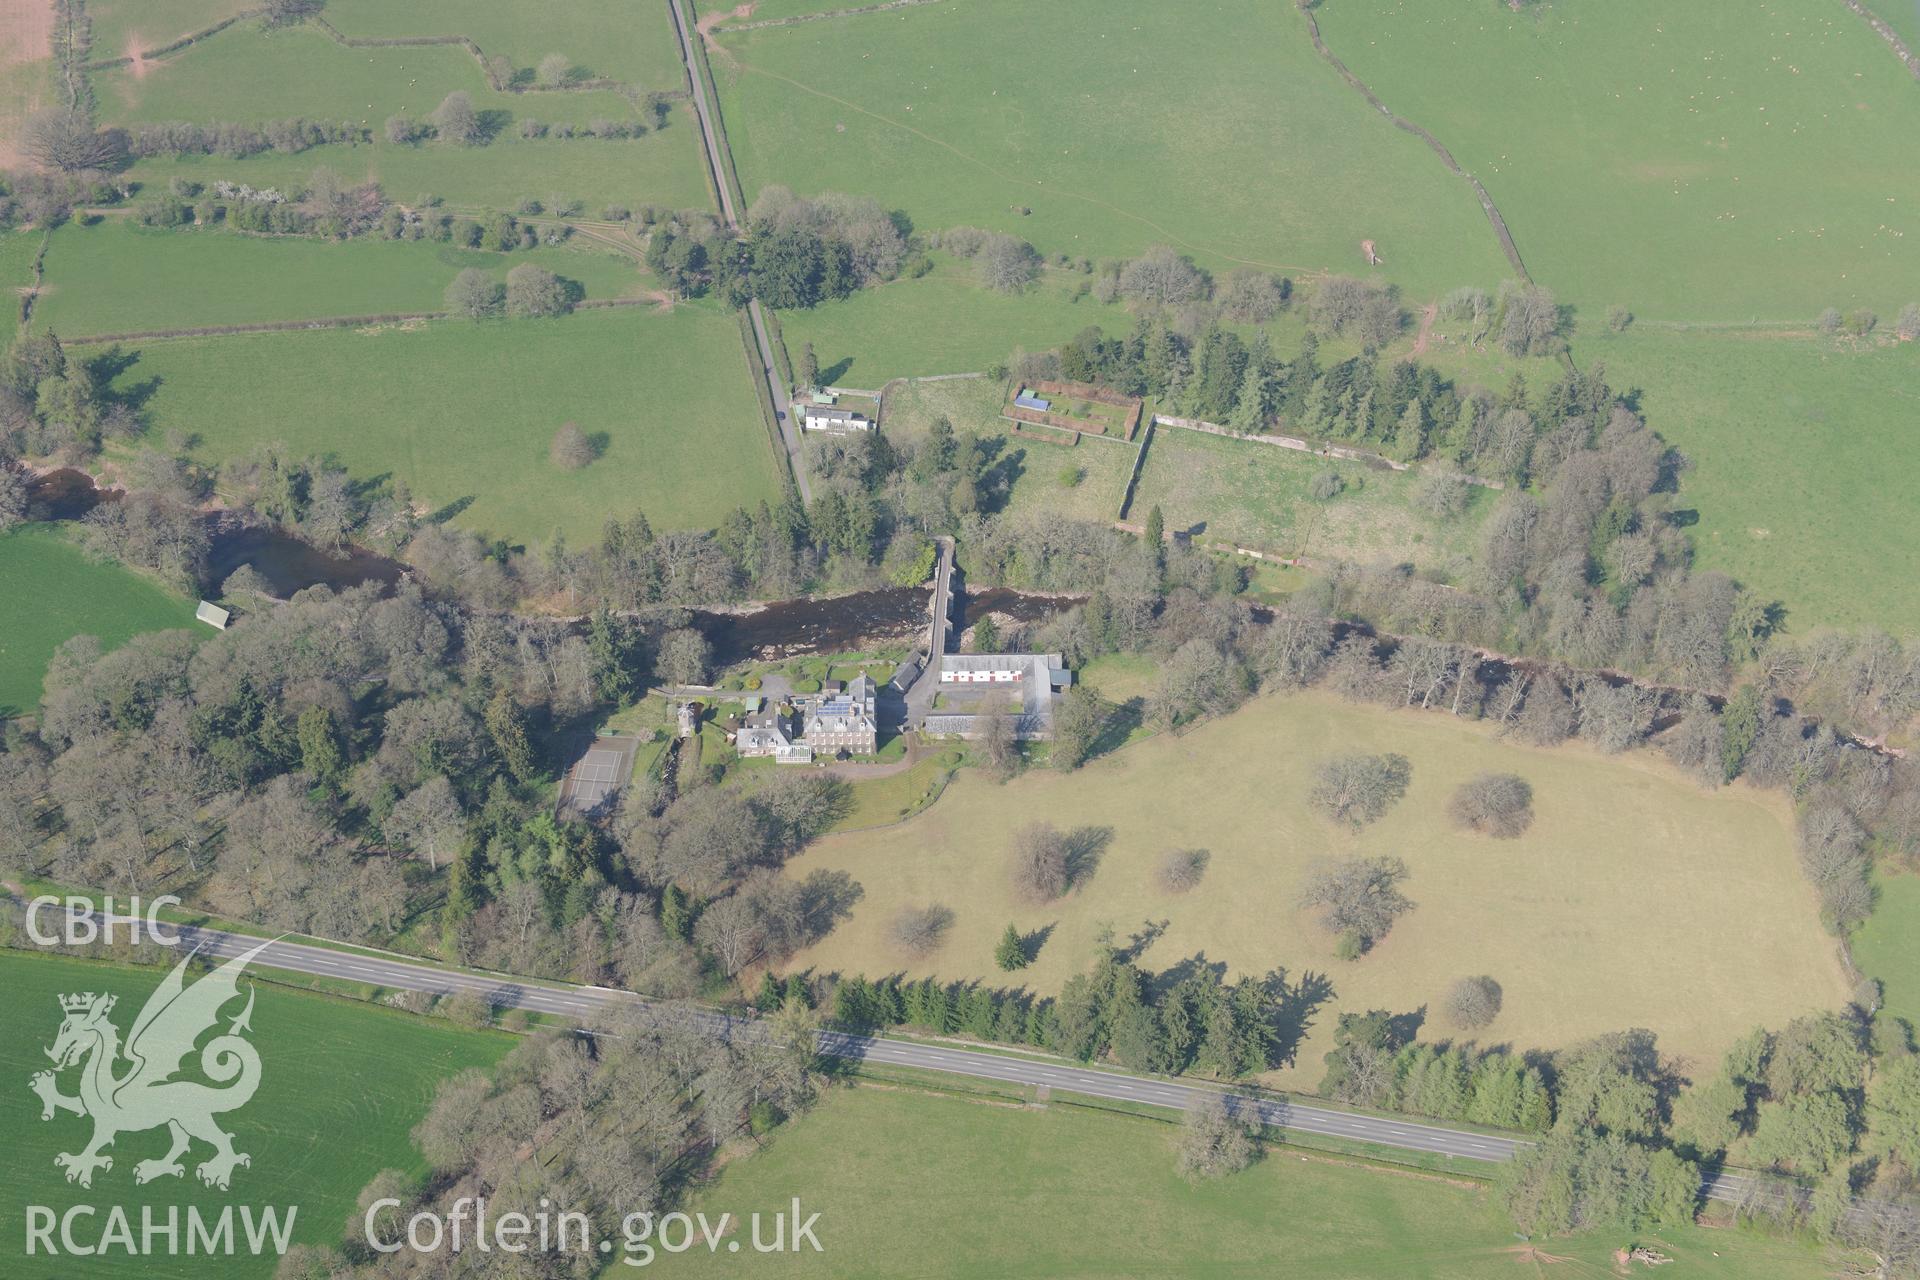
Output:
x,y
144,1094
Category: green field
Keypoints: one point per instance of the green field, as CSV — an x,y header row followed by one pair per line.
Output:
x,y
1662,157
1802,472
1256,496
1636,899
246,74
341,1085
118,277
1213,127
1888,944
919,1184
249,73
1903,16
53,593
122,26
463,412
634,43
943,323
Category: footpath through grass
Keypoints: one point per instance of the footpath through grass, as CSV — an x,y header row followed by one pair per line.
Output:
x,y
463,412
911,1183
1663,157
1636,899
341,1085
50,591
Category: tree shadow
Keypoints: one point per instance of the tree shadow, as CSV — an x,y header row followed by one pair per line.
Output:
x,y
1193,966
831,375
452,509
1293,1014
491,122
826,898
1085,847
1142,938
599,442
1030,943
1118,726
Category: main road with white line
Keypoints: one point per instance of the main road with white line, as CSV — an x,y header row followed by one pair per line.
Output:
x,y
585,1003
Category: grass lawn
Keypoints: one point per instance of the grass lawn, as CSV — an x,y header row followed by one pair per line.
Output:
x,y
117,276
634,43
54,592
1257,495
942,322
1213,127
1663,158
881,802
463,412
909,1183
1635,900
341,1085
1803,469
1888,944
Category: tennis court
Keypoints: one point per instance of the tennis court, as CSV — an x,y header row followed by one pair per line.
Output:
x,y
597,776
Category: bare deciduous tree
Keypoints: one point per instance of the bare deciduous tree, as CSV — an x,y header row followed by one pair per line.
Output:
x,y
1181,869
1493,804
1472,1003
1358,789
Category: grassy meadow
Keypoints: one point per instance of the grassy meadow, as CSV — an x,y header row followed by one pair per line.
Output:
x,y
121,27
632,43
55,592
341,1085
1888,944
1802,472
1257,496
17,249
1663,157
943,322
1636,899
911,1183
116,276
249,74
1212,127
462,412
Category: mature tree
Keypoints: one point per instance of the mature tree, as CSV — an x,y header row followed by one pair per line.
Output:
x,y
1011,953
13,497
1359,789
1252,297
685,657
1357,896
919,931
473,294
1808,1133
996,734
1472,1003
570,449
553,71
1529,322
1162,277
428,820
1039,863
1078,724
533,290
1006,264
1893,1108
1181,869
1574,1181
455,120
64,138
1493,804
1214,1140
